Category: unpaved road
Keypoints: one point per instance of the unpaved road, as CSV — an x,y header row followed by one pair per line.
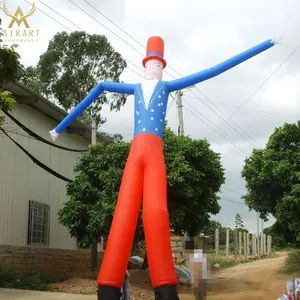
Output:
x,y
257,280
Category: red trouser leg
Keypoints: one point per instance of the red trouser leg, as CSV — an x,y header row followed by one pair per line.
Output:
x,y
156,217
124,223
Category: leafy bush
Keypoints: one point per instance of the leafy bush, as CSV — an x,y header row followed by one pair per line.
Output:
x,y
30,280
292,262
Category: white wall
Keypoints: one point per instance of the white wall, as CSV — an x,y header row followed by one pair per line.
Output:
x,y
21,180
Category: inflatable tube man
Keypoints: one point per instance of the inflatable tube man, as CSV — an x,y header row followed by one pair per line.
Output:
x,y
145,172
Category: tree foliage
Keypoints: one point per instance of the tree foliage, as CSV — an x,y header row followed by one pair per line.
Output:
x,y
272,177
72,65
195,176
210,228
282,236
239,223
10,68
30,77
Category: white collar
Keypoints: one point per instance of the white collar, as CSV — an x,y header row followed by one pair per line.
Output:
x,y
148,87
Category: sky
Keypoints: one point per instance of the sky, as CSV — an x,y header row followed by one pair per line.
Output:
x,y
235,111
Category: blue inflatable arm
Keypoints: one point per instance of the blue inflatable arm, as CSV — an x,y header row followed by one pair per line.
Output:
x,y
222,67
115,87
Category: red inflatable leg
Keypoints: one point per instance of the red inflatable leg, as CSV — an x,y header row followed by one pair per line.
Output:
x,y
124,223
156,217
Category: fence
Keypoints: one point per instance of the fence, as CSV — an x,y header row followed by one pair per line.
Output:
x,y
239,243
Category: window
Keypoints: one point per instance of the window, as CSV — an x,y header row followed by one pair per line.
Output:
x,y
38,224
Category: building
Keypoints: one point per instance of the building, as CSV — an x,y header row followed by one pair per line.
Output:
x,y
30,197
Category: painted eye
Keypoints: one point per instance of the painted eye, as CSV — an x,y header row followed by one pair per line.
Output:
x,y
158,65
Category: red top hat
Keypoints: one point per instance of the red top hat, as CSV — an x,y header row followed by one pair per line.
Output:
x,y
155,50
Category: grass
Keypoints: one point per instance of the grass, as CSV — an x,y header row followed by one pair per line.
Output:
x,y
222,262
292,262
30,280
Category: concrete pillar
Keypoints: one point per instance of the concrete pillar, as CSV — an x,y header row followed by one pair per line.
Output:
x,y
217,241
253,244
227,242
240,244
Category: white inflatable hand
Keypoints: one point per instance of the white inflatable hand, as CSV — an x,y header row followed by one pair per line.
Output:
x,y
53,134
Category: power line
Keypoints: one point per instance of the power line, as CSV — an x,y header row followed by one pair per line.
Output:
x,y
103,138
85,31
126,43
107,18
225,120
36,161
226,137
51,171
11,131
234,201
38,137
130,36
264,82
103,26
258,110
230,190
79,29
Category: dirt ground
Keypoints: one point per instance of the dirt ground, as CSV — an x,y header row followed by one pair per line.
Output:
x,y
261,279
257,280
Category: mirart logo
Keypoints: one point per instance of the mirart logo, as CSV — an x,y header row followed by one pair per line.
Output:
x,y
18,29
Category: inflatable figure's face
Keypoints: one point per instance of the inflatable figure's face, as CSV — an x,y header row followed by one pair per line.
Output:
x,y
153,69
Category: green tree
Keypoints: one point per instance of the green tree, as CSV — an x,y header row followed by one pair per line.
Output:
x,y
272,177
209,231
195,176
278,240
71,66
110,138
239,223
210,228
10,68
30,77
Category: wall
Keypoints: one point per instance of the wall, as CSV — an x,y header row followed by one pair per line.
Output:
x,y
63,263
177,243
21,180
54,263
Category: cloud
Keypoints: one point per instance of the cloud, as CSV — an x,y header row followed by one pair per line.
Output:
x,y
198,35
284,94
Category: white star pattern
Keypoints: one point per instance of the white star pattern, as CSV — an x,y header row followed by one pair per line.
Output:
x,y
150,111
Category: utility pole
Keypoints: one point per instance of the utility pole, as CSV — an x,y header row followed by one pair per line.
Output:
x,y
179,95
262,246
258,233
94,249
94,133
178,98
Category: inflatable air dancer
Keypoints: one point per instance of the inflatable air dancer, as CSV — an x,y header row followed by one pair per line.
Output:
x,y
145,172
